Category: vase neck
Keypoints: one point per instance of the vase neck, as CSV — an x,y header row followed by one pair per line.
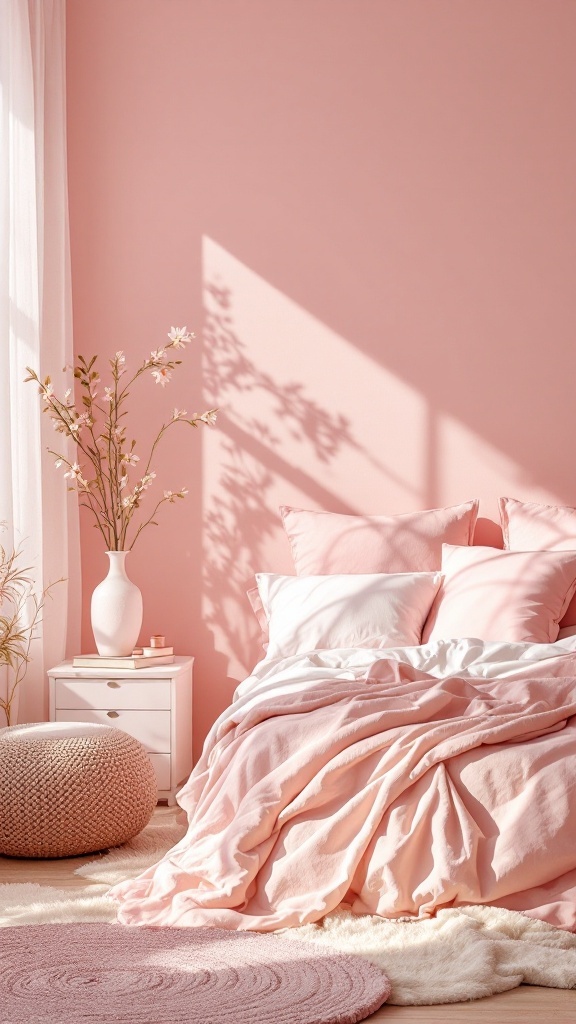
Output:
x,y
117,563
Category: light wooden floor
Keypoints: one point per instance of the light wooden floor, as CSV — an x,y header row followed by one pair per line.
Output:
x,y
525,1005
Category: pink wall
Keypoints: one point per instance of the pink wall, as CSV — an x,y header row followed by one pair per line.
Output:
x,y
366,210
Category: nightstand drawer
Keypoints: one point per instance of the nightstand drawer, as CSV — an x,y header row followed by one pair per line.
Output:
x,y
152,728
147,694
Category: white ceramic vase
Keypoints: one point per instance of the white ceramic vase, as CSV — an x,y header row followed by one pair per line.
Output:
x,y
116,610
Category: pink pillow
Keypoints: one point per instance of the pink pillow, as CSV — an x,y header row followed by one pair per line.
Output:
x,y
307,613
514,596
527,526
325,543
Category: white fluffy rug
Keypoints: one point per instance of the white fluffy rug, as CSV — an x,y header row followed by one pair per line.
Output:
x,y
458,955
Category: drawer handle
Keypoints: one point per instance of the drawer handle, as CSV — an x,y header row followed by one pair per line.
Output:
x,y
113,714
113,684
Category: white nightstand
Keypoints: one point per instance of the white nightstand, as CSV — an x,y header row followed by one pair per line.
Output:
x,y
152,704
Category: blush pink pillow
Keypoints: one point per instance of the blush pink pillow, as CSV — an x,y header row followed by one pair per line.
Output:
x,y
527,526
324,543
513,596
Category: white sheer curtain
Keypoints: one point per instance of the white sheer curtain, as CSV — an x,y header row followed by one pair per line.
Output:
x,y
35,322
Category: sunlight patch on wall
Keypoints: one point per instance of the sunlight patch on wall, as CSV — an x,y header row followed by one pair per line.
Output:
x,y
305,419
319,404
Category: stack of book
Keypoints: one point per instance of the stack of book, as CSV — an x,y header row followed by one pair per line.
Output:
x,y
141,657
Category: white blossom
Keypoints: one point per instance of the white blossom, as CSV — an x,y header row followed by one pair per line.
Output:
x,y
162,375
209,417
120,361
146,480
180,337
75,473
130,458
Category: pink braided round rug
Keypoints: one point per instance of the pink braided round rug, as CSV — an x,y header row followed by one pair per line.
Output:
x,y
102,973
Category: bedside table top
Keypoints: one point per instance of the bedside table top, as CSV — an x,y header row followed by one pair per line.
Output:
x,y
180,664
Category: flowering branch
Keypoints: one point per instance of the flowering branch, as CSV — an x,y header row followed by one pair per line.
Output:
x,y
102,478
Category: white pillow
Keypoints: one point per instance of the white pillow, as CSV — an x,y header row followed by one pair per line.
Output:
x,y
305,613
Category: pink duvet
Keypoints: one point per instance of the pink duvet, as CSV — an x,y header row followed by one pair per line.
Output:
x,y
395,794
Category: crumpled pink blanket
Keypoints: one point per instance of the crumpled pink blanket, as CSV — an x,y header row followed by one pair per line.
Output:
x,y
396,795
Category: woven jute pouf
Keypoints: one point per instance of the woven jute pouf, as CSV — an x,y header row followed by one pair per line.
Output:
x,y
68,788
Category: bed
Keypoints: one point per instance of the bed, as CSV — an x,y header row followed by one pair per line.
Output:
x,y
407,742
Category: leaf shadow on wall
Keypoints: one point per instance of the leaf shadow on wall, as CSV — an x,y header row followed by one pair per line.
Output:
x,y
242,528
